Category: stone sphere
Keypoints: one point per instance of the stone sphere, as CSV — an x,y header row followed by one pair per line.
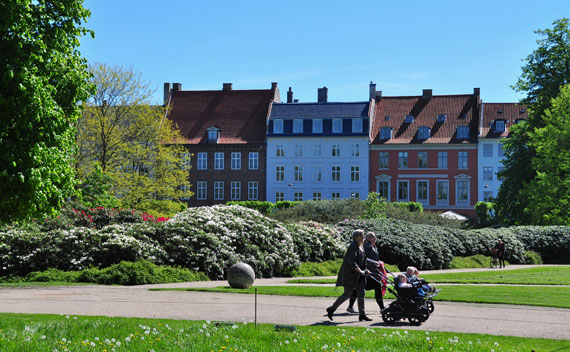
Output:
x,y
241,275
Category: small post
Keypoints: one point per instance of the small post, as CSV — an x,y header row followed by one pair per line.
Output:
x,y
255,324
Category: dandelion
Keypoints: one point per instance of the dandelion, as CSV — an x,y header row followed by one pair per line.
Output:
x,y
338,344
43,337
234,326
128,339
325,347
204,326
92,344
406,332
496,344
118,343
286,342
295,340
64,340
226,337
208,322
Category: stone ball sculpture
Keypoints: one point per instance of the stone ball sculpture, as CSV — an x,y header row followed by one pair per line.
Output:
x,y
241,275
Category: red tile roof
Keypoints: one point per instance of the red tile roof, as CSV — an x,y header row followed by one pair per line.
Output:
x,y
425,112
510,113
240,114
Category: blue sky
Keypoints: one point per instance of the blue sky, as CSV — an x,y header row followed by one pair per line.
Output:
x,y
450,46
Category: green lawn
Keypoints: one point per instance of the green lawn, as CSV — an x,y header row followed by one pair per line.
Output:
x,y
41,284
533,296
543,275
22,332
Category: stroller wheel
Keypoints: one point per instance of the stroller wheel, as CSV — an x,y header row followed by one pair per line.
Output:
x,y
430,306
388,318
421,316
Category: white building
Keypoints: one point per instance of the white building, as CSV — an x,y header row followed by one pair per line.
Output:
x,y
496,120
317,150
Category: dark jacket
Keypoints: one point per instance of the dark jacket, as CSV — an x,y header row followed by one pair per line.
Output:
x,y
371,252
353,257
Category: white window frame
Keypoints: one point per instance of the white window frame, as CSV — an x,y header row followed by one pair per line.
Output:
x,y
236,161
335,150
298,196
279,173
298,173
418,199
297,125
218,160
487,173
202,190
252,190
337,125
442,160
235,190
186,159
335,195
335,171
502,124
185,189
463,158
317,196
280,150
355,149
385,133
317,149
355,174
423,166
218,190
407,183
278,126
298,150
279,196
202,161
356,125
424,133
403,160
318,174
253,160
438,200
387,181
382,156
317,125
458,181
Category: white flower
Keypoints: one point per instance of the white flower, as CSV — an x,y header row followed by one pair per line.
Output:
x,y
64,340
286,342
338,344
128,339
234,326
325,347
92,344
43,337
295,340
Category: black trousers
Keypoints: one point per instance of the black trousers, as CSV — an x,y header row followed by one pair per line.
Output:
x,y
358,292
371,284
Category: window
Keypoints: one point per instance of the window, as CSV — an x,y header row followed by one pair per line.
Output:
x,y
422,160
219,161
335,173
235,190
423,133
487,149
487,196
335,195
317,125
277,126
186,157
335,150
355,147
385,133
279,196
441,118
253,161
236,161
383,160
488,173
354,173
298,150
462,192
442,160
422,191
462,161
356,125
202,190
337,125
402,160
298,197
280,173
402,191
317,196
279,150
442,192
252,190
318,174
500,150
184,189
317,149
499,126
463,132
384,189
298,173
213,135
409,119
202,161
219,190
297,126
354,195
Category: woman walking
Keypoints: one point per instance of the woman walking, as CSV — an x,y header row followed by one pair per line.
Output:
x,y
351,276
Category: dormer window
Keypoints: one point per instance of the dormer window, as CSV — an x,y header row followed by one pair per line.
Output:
x,y
356,125
385,133
463,132
387,117
213,135
522,110
499,111
517,121
298,126
317,125
499,126
441,118
337,125
278,126
423,133
409,119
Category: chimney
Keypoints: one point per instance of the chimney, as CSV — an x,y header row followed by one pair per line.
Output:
x,y
477,91
322,95
295,101
166,92
273,85
378,95
427,94
227,86
176,87
372,90
289,95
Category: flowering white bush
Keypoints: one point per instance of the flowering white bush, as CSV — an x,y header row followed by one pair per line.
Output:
x,y
316,242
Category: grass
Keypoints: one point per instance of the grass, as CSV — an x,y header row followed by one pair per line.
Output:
x,y
521,295
326,268
23,332
40,284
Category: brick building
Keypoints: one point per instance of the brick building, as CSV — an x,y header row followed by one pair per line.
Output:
x,y
424,149
224,131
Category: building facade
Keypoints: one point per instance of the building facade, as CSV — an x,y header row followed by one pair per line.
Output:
x,y
496,120
317,150
224,133
424,149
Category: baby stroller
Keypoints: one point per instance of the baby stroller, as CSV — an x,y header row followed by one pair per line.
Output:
x,y
413,304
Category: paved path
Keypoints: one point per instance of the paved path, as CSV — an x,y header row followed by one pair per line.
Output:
x,y
139,301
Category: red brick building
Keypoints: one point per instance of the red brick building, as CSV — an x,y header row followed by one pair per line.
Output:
x,y
224,132
424,149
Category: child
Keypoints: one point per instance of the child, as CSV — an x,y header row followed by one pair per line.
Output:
x,y
425,286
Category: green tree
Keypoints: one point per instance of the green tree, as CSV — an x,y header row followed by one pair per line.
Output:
x,y
131,140
549,191
545,71
42,80
96,189
374,207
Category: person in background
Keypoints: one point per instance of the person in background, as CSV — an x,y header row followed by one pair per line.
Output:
x,y
351,276
501,253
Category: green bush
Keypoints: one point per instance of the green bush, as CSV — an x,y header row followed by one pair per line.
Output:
x,y
531,257
474,261
286,204
485,214
551,242
265,208
326,268
374,207
162,208
323,211
410,206
315,242
397,212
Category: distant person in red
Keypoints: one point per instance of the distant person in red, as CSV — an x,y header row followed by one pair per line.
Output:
x,y
501,253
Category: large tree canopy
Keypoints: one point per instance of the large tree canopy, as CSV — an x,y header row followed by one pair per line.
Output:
x,y
546,70
42,80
